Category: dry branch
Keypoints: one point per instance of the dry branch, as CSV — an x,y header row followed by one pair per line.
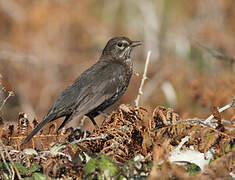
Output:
x,y
10,93
143,79
208,120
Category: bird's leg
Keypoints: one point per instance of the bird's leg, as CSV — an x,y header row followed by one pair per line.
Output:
x,y
93,121
66,120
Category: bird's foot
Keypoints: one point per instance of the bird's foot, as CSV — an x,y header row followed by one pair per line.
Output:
x,y
78,134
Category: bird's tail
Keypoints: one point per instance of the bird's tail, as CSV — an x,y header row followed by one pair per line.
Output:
x,y
38,128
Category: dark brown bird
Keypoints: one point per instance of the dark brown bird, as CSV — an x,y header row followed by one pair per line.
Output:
x,y
96,88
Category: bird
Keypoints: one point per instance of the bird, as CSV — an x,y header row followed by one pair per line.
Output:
x,y
97,88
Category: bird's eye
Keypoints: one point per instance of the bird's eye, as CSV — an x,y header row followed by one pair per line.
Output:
x,y
120,44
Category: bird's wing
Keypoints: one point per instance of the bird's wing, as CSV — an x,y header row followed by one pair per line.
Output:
x,y
102,85
97,84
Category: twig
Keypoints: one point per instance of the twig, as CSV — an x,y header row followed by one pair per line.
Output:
x,y
208,120
201,122
183,141
197,121
216,54
102,136
4,161
143,79
10,93
11,163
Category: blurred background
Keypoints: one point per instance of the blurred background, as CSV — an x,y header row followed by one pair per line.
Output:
x,y
45,45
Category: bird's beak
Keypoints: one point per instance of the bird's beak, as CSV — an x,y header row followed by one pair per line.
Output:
x,y
136,43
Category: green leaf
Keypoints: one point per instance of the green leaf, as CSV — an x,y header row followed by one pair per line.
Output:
x,y
233,148
35,167
103,165
108,165
193,169
227,148
208,136
2,165
23,170
210,162
38,176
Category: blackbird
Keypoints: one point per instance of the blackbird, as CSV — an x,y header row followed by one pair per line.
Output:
x,y
96,88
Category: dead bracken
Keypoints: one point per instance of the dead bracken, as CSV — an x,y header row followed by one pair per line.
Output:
x,y
125,134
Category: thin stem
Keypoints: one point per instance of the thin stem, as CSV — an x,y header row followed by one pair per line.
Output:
x,y
10,93
208,120
143,79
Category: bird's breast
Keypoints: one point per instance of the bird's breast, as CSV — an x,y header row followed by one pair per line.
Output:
x,y
128,66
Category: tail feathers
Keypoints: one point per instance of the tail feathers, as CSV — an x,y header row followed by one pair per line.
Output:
x,y
38,128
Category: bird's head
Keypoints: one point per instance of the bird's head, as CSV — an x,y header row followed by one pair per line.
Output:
x,y
119,48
